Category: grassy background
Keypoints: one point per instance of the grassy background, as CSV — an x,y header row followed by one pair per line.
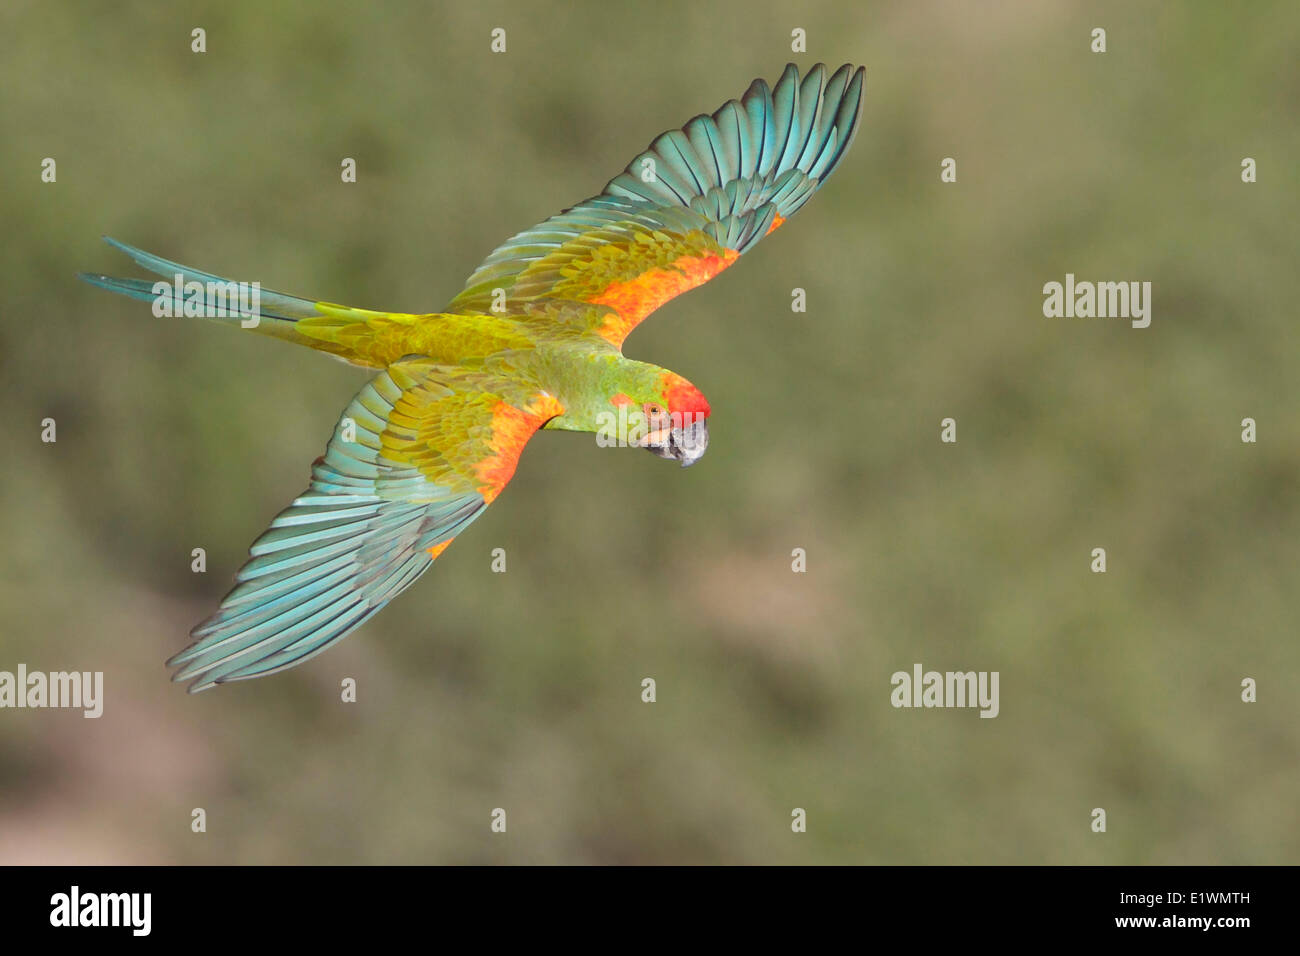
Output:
x,y
521,690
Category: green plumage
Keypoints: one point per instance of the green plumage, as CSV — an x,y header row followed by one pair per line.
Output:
x,y
533,340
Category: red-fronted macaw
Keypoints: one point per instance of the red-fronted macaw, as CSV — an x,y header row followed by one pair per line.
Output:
x,y
533,341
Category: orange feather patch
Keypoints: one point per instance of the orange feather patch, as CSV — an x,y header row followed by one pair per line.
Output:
x,y
511,429
437,549
632,300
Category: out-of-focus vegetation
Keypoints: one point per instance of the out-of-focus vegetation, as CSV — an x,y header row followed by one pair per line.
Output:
x,y
522,690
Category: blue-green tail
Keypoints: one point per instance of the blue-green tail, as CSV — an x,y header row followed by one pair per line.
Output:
x,y
188,291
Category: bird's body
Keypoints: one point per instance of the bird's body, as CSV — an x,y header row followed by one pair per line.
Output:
x,y
533,341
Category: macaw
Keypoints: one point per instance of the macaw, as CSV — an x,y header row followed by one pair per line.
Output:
x,y
533,341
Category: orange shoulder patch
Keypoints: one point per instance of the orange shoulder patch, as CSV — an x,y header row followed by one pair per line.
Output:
x,y
511,429
633,299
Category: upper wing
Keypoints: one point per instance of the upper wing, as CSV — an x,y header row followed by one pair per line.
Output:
x,y
433,446
686,208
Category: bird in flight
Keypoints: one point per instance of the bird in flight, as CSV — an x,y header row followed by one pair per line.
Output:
x,y
533,341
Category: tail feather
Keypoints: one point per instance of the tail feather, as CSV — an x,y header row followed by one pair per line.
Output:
x,y
342,331
271,305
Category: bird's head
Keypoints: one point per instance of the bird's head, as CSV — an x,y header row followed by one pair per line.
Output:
x,y
673,419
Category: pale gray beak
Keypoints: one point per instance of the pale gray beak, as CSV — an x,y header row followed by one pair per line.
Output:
x,y
686,444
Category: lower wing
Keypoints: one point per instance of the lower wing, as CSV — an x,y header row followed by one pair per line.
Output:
x,y
420,452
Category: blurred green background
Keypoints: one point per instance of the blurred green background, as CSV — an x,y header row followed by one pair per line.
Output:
x,y
522,690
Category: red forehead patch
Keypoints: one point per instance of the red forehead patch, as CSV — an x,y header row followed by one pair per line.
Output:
x,y
682,396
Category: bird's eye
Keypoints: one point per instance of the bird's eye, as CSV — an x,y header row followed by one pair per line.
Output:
x,y
654,410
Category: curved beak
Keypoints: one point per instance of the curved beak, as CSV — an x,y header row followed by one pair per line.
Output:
x,y
686,444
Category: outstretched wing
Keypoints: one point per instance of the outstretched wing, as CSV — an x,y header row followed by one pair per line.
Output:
x,y
417,456
685,209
